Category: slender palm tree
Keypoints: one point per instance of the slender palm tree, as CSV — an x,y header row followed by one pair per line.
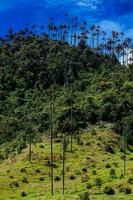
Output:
x,y
51,136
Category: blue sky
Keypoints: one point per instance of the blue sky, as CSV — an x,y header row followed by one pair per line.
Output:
x,y
110,14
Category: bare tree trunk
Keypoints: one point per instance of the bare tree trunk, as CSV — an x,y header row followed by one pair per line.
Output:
x,y
51,140
30,148
63,163
71,119
124,156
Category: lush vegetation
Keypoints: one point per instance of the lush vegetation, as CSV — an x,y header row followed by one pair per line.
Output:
x,y
47,84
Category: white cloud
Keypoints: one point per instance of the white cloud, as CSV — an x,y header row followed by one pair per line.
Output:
x,y
93,4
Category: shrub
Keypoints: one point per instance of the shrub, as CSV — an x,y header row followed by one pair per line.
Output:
x,y
112,173
24,180
84,170
72,177
109,190
94,172
125,190
23,194
85,178
38,171
11,176
88,186
85,196
57,178
23,170
98,181
1,156
115,164
130,180
109,149
108,165
93,132
128,190
14,184
41,179
41,146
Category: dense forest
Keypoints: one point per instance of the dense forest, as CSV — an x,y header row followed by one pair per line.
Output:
x,y
62,82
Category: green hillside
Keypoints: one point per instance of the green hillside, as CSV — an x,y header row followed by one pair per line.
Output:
x,y
90,168
87,99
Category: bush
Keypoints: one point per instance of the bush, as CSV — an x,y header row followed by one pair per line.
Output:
x,y
112,173
125,190
1,156
41,179
109,190
128,190
38,171
24,180
72,177
14,184
108,165
88,186
23,194
23,170
109,149
41,146
57,178
130,180
84,170
98,182
85,196
85,178
93,132
11,176
94,172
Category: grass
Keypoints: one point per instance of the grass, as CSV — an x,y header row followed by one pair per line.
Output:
x,y
91,155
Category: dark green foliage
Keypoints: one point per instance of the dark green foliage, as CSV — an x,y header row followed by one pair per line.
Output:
x,y
85,178
112,173
66,125
85,196
57,178
108,165
98,181
29,64
109,149
14,184
88,186
126,190
24,180
109,190
23,194
41,179
94,172
130,180
84,169
23,170
72,177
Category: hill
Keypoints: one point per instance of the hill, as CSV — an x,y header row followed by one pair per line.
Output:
x,y
72,92
90,168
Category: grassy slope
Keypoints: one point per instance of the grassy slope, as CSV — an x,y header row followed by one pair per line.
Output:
x,y
40,190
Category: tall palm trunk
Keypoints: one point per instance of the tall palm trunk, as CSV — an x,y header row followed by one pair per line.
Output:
x,y
30,147
63,163
124,156
51,140
71,119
